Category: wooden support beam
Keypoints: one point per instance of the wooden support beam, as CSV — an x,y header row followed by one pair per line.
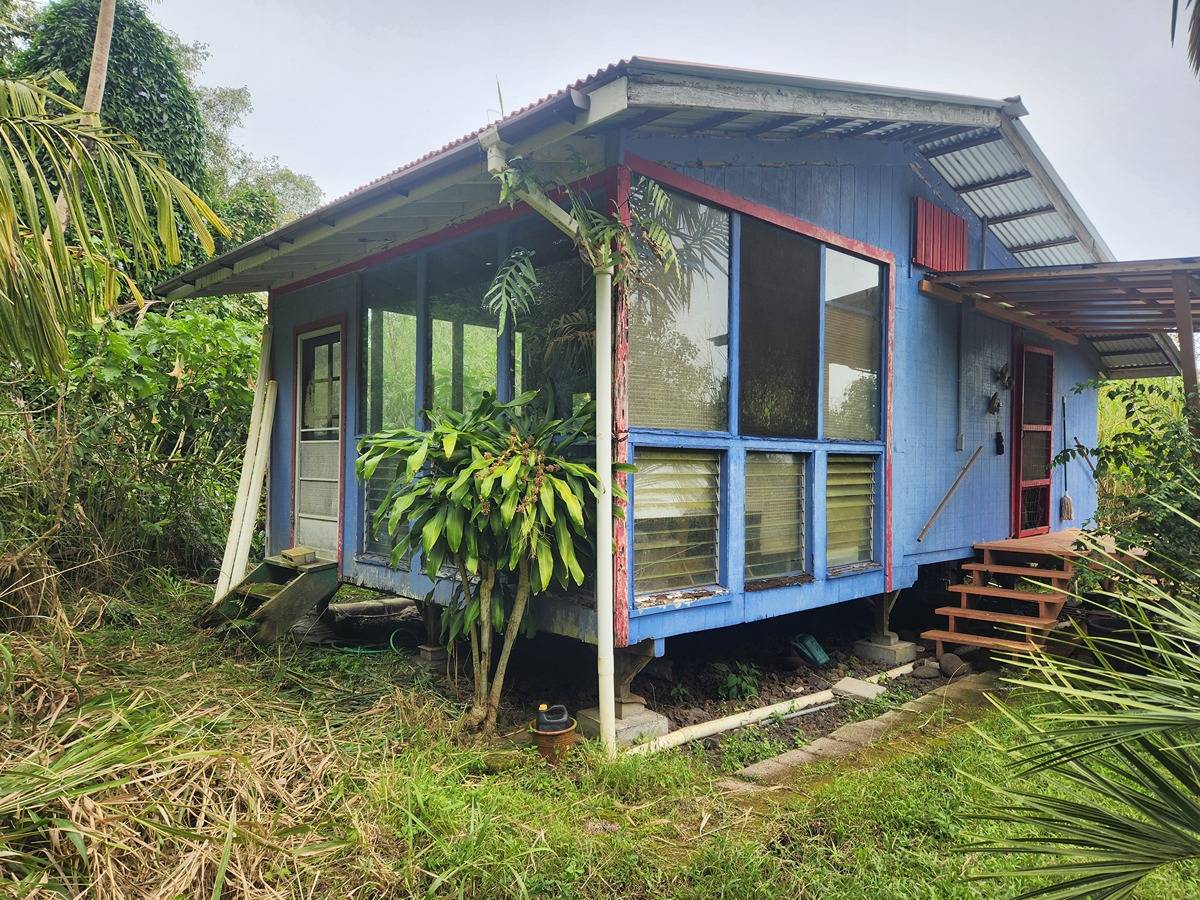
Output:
x,y
1134,268
1018,216
864,128
819,126
989,137
1187,337
713,121
1044,245
1010,178
643,118
769,125
992,310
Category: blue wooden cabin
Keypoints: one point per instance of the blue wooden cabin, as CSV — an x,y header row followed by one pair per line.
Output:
x,y
797,410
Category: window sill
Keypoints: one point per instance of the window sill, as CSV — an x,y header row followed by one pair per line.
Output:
x,y
776,581
648,603
377,559
853,569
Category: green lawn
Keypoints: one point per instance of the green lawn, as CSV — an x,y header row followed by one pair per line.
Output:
x,y
345,773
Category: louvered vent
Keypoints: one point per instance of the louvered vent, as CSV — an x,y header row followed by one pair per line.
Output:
x,y
940,243
675,514
850,509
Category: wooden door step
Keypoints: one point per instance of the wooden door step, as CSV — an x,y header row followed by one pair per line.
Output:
x,y
1023,571
984,615
984,590
260,590
941,637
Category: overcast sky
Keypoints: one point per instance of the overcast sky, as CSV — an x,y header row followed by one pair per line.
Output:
x,y
348,90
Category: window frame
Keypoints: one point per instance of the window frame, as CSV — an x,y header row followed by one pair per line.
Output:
x,y
733,445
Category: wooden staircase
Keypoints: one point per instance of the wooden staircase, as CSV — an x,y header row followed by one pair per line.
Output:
x,y
274,596
1000,615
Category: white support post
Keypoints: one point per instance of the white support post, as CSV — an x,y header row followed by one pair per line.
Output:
x,y
604,514
225,579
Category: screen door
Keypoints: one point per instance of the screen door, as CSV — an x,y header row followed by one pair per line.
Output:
x,y
318,440
1034,428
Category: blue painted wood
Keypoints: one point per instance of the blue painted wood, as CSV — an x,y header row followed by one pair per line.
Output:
x,y
863,189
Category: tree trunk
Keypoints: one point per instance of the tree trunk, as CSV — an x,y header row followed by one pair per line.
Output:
x,y
97,77
510,636
483,664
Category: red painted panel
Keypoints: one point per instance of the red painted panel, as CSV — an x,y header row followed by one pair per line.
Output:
x,y
940,242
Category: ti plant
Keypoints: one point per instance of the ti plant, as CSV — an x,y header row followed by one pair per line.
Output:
x,y
500,495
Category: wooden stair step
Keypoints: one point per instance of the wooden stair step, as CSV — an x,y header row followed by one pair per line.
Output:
x,y
260,590
979,640
1023,571
984,615
984,590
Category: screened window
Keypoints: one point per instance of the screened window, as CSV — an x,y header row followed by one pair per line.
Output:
x,y
679,326
389,375
853,331
780,342
774,515
554,341
850,509
464,332
675,503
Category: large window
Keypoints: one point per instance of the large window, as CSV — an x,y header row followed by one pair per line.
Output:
x,y
389,321
780,339
464,332
853,338
774,515
675,503
850,509
679,327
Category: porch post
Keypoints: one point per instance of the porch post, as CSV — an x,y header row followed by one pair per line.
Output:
x,y
1187,343
604,513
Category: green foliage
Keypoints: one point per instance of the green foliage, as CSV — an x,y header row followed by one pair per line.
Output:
x,y
1116,729
119,204
135,453
16,24
513,289
501,496
146,94
1149,467
736,682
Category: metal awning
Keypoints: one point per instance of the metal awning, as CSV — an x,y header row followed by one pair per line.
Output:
x,y
1127,310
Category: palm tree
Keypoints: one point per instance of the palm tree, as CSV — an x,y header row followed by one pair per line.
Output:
x,y
119,207
1193,31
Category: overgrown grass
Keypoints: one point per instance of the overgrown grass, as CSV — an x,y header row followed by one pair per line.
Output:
x,y
319,773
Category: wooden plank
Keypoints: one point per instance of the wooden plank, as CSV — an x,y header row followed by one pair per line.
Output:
x,y
986,615
978,640
983,307
1018,216
984,184
985,590
1024,571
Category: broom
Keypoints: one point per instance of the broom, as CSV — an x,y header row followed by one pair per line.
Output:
x,y
1066,506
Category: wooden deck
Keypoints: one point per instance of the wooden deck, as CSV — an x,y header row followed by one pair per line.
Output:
x,y
1054,543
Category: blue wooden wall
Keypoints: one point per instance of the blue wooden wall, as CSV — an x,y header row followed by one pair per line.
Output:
x,y
860,188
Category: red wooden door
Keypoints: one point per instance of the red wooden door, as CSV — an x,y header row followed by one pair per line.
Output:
x,y
1033,430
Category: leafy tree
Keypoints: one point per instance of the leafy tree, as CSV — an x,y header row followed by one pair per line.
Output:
x,y
146,96
16,23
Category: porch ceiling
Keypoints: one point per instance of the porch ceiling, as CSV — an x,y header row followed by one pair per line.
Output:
x,y
1126,309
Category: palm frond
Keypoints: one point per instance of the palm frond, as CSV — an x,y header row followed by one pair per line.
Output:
x,y
83,208
513,289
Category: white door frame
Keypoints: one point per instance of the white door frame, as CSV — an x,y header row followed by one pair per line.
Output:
x,y
297,420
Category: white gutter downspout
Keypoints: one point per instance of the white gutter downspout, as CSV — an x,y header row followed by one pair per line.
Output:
x,y
497,161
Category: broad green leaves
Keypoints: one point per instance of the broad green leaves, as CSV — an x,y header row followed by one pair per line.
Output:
x,y
497,485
